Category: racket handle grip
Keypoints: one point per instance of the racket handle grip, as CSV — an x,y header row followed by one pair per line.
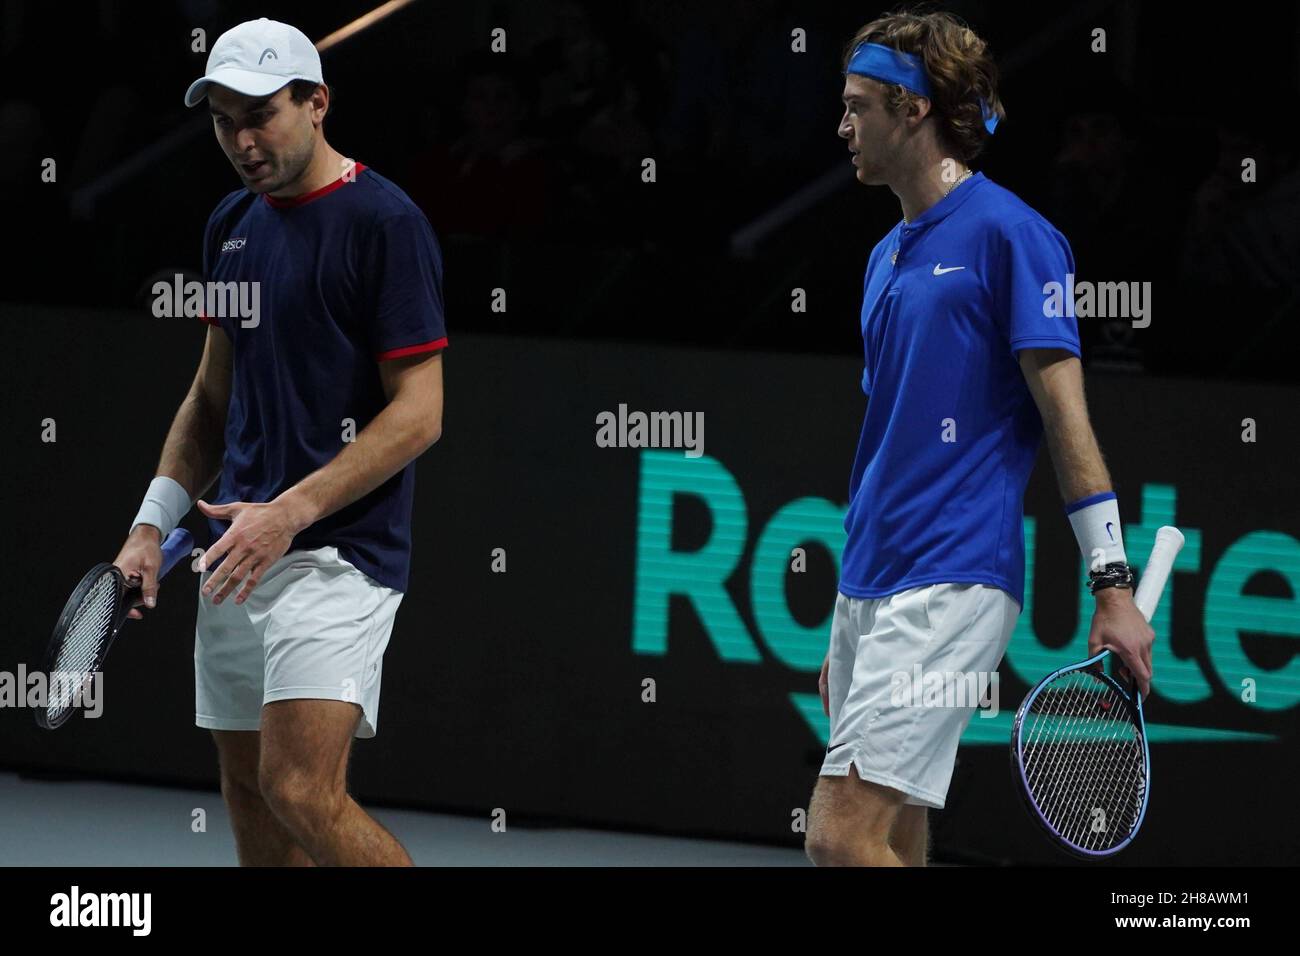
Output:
x,y
1169,541
178,545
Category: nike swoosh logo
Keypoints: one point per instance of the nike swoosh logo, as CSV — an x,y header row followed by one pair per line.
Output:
x,y
938,271
837,746
1108,532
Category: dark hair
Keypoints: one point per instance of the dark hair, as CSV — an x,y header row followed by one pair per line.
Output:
x,y
300,92
958,63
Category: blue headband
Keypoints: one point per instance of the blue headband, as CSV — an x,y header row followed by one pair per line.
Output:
x,y
888,65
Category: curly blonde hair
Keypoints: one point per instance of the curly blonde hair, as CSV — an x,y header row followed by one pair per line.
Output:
x,y
958,63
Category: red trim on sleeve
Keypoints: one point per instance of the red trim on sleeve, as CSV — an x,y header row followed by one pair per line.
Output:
x,y
413,349
314,194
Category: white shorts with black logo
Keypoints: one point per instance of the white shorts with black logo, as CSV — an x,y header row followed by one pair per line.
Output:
x,y
314,627
905,676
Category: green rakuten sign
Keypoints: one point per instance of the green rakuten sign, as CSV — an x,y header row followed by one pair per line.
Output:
x,y
700,576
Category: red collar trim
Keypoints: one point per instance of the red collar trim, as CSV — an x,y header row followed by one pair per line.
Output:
x,y
314,194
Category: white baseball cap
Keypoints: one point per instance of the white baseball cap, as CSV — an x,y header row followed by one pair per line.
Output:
x,y
256,58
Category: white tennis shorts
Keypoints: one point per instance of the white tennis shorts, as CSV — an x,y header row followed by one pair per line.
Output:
x,y
905,676
314,627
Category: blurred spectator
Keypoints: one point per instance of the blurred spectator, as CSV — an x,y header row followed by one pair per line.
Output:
x,y
493,179
1241,253
1106,196
750,117
1247,233
590,110
1109,201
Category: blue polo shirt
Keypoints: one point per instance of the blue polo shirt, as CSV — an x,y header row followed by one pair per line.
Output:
x,y
951,429
349,276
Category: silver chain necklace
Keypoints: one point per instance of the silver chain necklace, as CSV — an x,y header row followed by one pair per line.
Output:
x,y
893,258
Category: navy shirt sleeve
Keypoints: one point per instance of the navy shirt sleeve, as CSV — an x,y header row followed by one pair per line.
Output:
x,y
1035,254
403,269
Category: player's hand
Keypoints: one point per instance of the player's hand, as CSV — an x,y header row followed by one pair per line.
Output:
x,y
258,536
823,684
140,559
1118,626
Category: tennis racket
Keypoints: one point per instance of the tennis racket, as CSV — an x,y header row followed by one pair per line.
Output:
x,y
1079,752
87,628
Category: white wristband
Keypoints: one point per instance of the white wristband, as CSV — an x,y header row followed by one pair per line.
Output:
x,y
164,505
1095,521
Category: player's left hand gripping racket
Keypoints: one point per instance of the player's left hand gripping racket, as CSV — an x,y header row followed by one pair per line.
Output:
x,y
87,627
1079,752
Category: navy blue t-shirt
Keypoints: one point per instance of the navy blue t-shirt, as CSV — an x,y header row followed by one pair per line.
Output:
x,y
951,430
348,276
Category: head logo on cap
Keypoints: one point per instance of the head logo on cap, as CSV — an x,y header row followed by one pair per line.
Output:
x,y
256,58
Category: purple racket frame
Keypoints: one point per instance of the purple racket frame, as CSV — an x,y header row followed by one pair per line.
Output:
x,y
1133,698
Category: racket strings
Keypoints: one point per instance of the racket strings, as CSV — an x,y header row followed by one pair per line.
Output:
x,y
1082,753
1099,790
1077,779
1080,767
1054,780
85,637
